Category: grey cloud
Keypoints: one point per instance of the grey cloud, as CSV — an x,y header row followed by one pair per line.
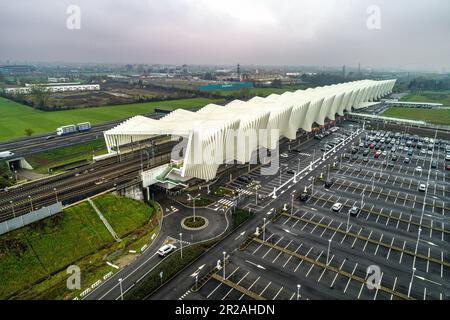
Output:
x,y
414,33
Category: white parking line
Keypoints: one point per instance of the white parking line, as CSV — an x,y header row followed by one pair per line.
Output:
x,y
349,279
207,297
236,283
277,293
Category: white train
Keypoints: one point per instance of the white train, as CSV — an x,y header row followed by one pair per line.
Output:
x,y
72,128
6,154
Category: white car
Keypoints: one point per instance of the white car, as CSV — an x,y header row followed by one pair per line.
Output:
x,y
419,169
447,157
284,155
166,249
422,187
336,207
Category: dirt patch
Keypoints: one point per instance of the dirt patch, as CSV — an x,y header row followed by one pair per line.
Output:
x,y
125,260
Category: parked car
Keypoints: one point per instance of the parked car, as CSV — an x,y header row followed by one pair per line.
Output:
x,y
354,211
304,197
422,187
336,207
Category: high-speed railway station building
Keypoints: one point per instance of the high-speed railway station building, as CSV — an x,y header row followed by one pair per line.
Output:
x,y
214,131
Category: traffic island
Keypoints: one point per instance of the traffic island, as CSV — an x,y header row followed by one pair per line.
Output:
x,y
199,223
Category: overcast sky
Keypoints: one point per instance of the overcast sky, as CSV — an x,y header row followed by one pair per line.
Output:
x,y
413,34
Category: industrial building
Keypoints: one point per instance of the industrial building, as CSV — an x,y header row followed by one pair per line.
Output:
x,y
54,87
214,129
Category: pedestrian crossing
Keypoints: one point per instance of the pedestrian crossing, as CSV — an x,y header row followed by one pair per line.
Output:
x,y
245,191
225,202
185,295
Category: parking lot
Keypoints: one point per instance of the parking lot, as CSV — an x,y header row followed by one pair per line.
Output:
x,y
384,220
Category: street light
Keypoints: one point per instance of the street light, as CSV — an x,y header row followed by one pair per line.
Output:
x,y
348,220
328,251
410,283
298,291
121,290
56,194
181,244
264,229
12,207
31,203
292,202
224,254
191,198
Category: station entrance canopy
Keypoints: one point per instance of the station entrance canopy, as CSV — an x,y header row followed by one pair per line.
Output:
x,y
213,135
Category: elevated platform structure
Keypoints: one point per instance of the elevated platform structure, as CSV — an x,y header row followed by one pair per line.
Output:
x,y
220,134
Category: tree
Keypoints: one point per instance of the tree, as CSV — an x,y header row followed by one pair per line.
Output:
x,y
29,132
41,95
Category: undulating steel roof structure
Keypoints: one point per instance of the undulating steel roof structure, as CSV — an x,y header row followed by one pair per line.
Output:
x,y
215,133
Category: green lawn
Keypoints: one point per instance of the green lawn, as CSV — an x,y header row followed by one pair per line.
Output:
x,y
30,254
42,161
436,116
263,92
429,96
118,213
15,117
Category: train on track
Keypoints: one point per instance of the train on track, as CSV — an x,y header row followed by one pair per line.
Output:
x,y
73,128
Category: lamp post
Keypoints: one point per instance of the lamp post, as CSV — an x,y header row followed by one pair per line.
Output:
x,y
328,251
348,220
181,244
31,203
191,198
298,291
264,229
292,202
12,207
56,194
224,254
410,283
121,289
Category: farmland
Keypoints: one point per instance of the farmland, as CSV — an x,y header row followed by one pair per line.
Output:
x,y
17,117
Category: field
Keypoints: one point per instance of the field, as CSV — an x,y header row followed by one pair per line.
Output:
x,y
42,161
429,96
436,116
17,117
33,259
263,92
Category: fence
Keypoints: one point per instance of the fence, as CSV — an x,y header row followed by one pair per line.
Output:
x,y
29,218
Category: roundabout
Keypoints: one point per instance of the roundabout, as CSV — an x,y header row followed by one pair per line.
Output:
x,y
199,223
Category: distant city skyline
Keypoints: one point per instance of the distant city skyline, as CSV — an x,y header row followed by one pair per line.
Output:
x,y
400,35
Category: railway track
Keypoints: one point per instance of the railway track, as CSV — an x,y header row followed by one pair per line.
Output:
x,y
83,182
42,144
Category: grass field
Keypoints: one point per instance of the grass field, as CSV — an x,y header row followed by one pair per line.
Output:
x,y
31,254
263,92
436,116
429,96
42,161
15,117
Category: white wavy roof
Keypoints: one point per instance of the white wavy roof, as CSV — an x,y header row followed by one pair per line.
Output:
x,y
210,126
